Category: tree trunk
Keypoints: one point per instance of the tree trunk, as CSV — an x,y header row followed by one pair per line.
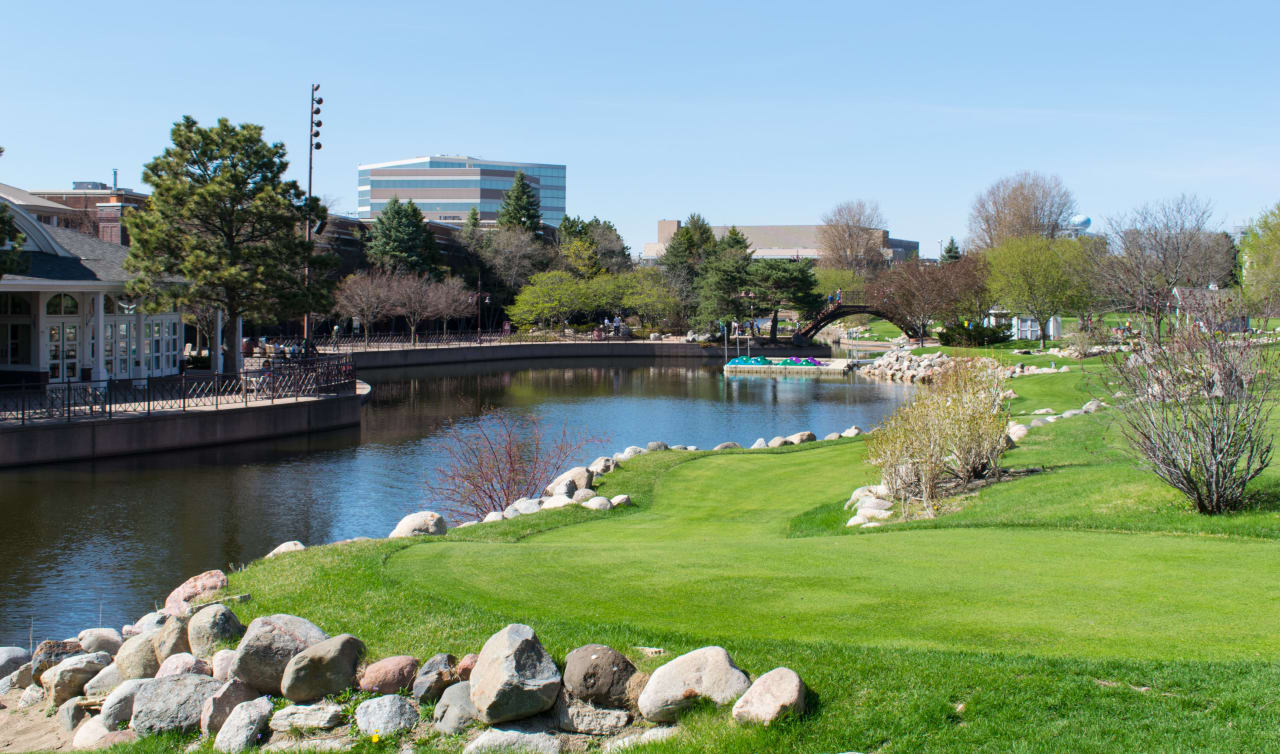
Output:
x,y
773,327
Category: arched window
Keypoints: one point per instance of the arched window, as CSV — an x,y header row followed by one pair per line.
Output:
x,y
62,304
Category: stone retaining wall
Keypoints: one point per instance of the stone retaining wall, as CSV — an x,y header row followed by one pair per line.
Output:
x,y
409,357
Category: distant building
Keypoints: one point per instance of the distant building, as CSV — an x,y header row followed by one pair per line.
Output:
x,y
779,242
98,209
446,187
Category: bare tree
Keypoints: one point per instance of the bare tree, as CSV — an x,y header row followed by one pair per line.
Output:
x,y
1158,247
451,299
852,237
1026,204
500,458
912,294
1200,407
515,255
368,296
415,299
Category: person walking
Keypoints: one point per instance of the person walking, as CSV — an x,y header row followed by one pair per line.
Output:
x,y
839,292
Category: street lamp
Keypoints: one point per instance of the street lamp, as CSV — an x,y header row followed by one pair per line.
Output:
x,y
478,298
313,133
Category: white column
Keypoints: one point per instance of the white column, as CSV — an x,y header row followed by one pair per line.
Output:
x,y
215,351
100,337
39,338
138,367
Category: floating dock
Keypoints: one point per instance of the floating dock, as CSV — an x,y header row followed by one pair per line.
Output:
x,y
789,366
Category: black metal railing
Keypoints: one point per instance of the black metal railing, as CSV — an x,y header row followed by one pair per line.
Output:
x,y
291,379
278,347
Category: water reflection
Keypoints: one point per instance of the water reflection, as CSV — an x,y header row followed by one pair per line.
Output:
x,y
107,538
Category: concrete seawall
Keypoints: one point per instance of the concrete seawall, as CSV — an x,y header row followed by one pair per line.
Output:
x,y
414,357
84,440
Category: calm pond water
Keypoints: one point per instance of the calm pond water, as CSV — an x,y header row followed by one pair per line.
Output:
x,y
100,543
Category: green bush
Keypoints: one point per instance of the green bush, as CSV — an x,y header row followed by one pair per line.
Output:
x,y
978,335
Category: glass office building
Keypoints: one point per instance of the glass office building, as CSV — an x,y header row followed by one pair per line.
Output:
x,y
446,187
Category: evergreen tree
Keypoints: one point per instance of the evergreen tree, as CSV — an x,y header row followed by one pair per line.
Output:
x,y
723,280
223,219
775,283
582,256
11,260
520,206
400,240
734,241
471,233
951,253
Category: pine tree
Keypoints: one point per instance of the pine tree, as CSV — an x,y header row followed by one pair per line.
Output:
x,y
11,260
734,241
951,253
400,240
520,206
224,220
471,233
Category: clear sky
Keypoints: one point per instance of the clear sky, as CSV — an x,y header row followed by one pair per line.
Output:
x,y
748,112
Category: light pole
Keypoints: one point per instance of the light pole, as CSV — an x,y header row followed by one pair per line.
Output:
x,y
313,132
479,297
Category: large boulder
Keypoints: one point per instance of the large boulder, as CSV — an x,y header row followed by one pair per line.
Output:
x,y
759,443
581,476
67,679
71,712
577,716
620,500
31,696
386,715
779,441
437,674
558,501
150,622
514,676
12,658
117,708
525,739
853,431
210,627
104,682
420,523
221,664
389,675
50,653
802,437
171,639
727,446
602,465
598,503
656,445
326,667
466,665
179,600
183,662
598,675
216,709
171,704
90,735
491,516
292,545
1018,432
99,640
774,694
18,679
525,506
268,645
243,727
322,716
583,495
703,673
454,712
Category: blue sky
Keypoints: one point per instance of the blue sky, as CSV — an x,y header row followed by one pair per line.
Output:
x,y
750,113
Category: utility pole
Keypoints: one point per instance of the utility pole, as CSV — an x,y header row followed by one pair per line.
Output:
x,y
313,132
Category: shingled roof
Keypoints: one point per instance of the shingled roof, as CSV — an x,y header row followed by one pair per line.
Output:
x,y
91,260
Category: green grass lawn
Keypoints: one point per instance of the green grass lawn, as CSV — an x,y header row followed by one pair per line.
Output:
x,y
1079,609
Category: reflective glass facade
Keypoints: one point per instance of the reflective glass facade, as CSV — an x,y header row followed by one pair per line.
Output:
x,y
446,188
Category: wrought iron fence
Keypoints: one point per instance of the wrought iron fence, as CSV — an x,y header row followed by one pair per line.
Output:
x,y
284,379
393,341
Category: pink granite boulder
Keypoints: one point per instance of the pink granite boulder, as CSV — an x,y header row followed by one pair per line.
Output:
x,y
389,675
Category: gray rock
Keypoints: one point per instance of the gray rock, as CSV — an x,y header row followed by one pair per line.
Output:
x,y
50,653
874,503
598,503
526,739
656,445
491,516
210,627
620,500
183,662
774,694
90,734
581,477
759,443
152,621
221,664
557,501
18,679
727,446
67,679
602,465
454,712
598,675
99,640
244,725
652,735
171,703
219,706
117,708
577,716
853,431
522,507
324,668
171,639
71,712
514,676
779,441
1072,413
417,524
708,673
437,674
268,645
386,715
292,545
832,436
33,695
1035,423
802,437
322,716
104,682
583,495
